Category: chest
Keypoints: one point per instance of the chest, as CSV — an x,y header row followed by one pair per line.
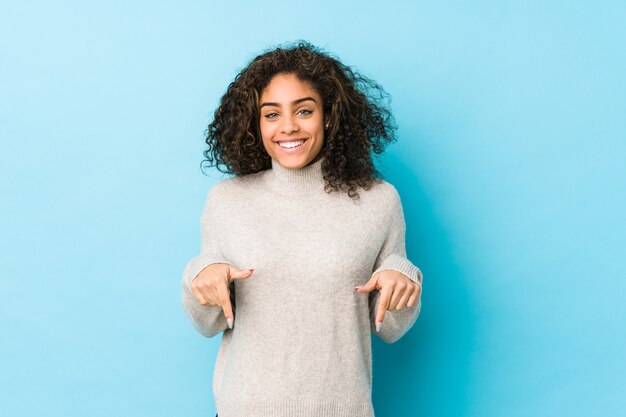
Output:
x,y
326,244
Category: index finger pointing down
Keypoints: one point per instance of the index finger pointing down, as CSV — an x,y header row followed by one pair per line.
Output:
x,y
224,294
383,304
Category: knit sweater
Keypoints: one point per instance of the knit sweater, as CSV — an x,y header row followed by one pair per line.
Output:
x,y
300,345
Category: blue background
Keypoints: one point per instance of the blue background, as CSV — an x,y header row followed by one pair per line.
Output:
x,y
510,163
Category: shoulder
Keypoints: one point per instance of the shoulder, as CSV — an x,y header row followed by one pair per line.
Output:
x,y
221,188
385,194
228,188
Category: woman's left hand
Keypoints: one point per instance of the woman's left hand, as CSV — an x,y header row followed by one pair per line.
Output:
x,y
397,291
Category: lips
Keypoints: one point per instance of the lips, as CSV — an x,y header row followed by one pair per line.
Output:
x,y
294,149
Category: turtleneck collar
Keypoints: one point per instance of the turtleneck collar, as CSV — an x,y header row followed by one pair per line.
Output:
x,y
305,180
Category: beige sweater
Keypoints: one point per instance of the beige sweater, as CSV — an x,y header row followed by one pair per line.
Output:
x,y
300,345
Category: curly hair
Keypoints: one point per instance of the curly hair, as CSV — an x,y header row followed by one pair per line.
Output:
x,y
360,121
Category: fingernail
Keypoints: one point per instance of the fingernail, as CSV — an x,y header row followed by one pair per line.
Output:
x,y
251,269
356,288
230,323
377,327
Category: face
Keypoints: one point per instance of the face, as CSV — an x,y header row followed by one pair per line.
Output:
x,y
291,121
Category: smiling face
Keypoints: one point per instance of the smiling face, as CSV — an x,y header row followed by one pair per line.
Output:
x,y
291,112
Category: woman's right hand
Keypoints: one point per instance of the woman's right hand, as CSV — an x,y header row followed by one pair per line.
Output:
x,y
210,287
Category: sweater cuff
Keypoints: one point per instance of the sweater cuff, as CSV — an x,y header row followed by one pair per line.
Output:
x,y
198,263
400,264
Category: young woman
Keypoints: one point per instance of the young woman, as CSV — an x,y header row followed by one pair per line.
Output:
x,y
303,250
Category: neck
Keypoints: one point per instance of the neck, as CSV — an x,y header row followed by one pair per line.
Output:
x,y
297,181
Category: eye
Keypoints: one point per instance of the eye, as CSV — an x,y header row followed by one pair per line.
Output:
x,y
269,114
307,111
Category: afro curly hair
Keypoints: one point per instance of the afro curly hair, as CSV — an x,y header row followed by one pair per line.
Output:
x,y
360,120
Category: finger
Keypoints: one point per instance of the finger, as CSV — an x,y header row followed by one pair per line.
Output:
x,y
369,286
405,298
415,296
214,296
198,296
197,292
208,295
224,301
398,292
237,274
201,298
383,303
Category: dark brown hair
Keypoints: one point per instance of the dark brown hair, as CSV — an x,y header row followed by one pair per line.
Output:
x,y
360,121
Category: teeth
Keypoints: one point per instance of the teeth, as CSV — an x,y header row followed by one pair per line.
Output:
x,y
290,144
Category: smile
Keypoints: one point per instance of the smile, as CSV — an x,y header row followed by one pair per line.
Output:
x,y
291,145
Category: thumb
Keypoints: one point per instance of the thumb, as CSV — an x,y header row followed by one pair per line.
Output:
x,y
369,286
235,273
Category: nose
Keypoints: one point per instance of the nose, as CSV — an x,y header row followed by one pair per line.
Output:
x,y
289,125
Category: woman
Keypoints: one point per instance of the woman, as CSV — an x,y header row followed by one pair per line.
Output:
x,y
327,264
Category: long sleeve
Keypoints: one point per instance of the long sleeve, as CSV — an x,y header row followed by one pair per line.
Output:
x,y
392,256
208,320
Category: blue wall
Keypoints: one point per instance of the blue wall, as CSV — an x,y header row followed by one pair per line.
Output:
x,y
510,164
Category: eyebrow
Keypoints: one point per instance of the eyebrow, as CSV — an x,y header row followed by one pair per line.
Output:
x,y
300,100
